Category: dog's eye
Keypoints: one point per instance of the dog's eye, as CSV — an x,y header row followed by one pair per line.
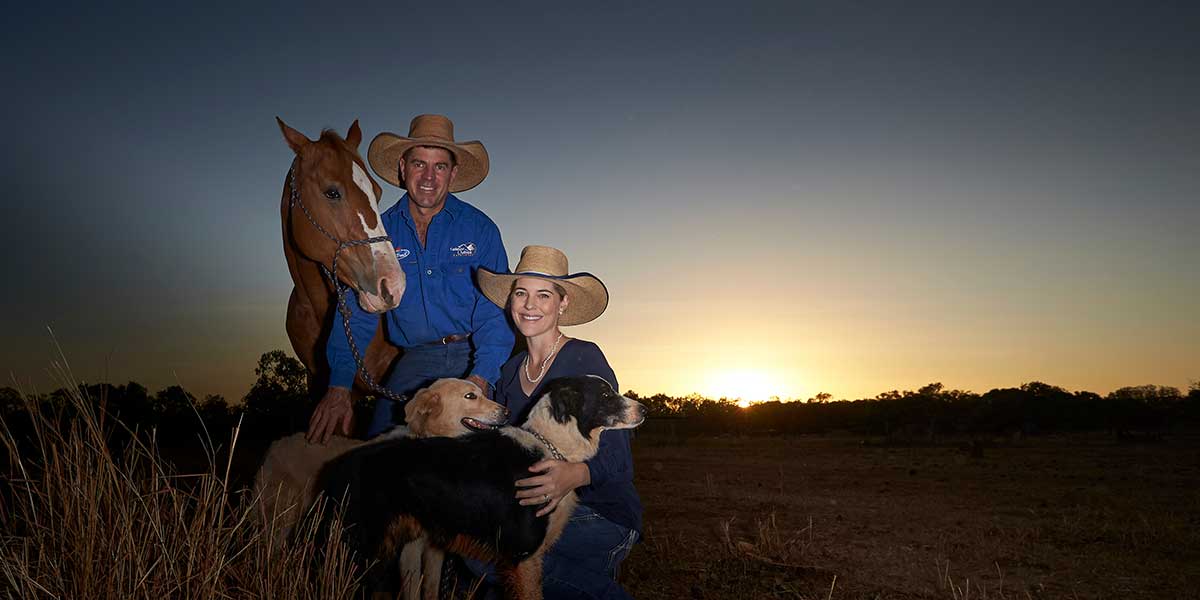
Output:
x,y
470,396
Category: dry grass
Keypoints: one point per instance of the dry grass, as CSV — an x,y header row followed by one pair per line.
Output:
x,y
87,522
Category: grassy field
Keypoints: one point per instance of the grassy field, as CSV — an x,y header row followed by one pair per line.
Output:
x,y
726,517
813,517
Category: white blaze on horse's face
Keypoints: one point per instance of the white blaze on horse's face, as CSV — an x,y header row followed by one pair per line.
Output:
x,y
364,184
392,282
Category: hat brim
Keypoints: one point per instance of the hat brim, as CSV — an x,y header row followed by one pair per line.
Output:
x,y
589,296
471,159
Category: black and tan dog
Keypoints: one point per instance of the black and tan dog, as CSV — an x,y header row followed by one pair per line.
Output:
x,y
458,494
286,480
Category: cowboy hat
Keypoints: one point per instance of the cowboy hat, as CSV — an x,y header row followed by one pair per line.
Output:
x,y
429,130
588,295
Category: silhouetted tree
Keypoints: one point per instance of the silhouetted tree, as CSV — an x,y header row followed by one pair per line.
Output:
x,y
215,412
132,404
1144,407
173,402
1088,415
1048,407
1190,408
277,403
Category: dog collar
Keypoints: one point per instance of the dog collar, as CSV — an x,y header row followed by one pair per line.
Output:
x,y
553,451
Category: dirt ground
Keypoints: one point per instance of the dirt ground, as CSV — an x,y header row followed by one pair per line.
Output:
x,y
843,517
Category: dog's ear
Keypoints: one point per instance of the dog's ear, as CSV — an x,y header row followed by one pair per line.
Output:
x,y
435,406
423,405
563,401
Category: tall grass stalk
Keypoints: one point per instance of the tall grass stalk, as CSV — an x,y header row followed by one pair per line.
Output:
x,y
83,520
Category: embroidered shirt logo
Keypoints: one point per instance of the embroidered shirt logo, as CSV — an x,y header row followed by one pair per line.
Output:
x,y
402,253
464,249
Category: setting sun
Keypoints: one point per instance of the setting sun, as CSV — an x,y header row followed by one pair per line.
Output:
x,y
745,386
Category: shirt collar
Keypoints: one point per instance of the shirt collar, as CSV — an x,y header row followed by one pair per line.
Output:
x,y
452,208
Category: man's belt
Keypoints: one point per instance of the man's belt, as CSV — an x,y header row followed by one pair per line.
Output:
x,y
453,338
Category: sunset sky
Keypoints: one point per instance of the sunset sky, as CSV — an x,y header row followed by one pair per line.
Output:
x,y
783,198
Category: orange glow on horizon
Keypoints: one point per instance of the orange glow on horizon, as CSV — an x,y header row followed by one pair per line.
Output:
x,y
745,386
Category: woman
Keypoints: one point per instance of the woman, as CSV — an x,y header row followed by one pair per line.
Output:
x,y
541,297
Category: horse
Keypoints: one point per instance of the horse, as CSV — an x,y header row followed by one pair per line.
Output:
x,y
332,224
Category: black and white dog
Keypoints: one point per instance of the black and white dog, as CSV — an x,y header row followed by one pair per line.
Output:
x,y
458,494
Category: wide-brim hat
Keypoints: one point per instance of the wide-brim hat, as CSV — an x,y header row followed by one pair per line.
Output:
x,y
588,295
387,149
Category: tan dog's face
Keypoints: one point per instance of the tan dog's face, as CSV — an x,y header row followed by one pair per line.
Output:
x,y
446,408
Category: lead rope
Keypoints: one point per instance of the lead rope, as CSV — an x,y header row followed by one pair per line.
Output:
x,y
338,288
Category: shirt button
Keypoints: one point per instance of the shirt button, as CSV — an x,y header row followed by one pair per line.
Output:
x,y
429,271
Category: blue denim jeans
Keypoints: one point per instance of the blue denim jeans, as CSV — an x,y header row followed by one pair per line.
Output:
x,y
418,367
586,560
583,564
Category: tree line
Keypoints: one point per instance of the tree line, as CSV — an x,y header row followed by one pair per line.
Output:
x,y
276,404
279,403
1135,412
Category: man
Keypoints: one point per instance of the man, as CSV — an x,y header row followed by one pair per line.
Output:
x,y
444,324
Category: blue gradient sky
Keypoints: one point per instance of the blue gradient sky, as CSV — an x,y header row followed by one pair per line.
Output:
x,y
783,198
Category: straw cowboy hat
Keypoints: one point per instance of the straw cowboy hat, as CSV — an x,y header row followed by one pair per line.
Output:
x,y
429,130
588,295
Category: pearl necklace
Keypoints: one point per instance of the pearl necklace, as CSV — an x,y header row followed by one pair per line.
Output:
x,y
542,371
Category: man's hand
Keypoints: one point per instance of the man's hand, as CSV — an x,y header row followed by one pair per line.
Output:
x,y
557,480
333,415
483,385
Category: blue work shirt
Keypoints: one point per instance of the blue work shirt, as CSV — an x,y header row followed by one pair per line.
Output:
x,y
440,296
611,492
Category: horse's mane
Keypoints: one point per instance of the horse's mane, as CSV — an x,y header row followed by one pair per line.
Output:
x,y
329,135
329,132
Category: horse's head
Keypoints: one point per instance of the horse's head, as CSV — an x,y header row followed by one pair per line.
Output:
x,y
339,196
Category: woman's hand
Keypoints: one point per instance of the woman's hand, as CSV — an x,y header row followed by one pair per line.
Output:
x,y
557,479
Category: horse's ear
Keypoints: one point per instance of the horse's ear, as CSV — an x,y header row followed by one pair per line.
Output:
x,y
296,140
354,136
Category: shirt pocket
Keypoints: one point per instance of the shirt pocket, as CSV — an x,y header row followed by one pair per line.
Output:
x,y
460,286
412,280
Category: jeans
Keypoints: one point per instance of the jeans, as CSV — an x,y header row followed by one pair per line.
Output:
x,y
418,367
583,564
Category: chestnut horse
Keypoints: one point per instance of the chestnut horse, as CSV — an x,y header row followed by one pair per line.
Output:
x,y
332,224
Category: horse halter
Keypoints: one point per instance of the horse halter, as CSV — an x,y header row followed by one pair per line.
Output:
x,y
338,288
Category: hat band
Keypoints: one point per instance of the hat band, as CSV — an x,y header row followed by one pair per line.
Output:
x,y
548,275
